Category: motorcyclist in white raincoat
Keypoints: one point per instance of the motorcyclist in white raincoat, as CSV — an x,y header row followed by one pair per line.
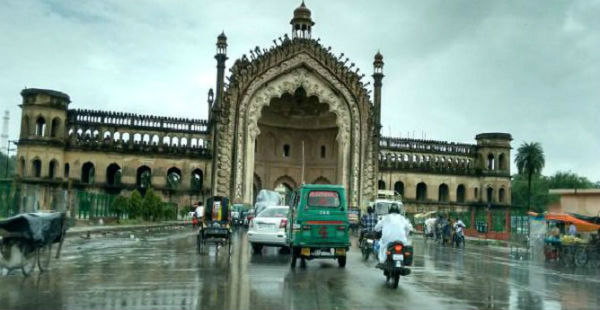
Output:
x,y
393,227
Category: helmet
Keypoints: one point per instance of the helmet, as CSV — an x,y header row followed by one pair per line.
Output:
x,y
370,209
394,209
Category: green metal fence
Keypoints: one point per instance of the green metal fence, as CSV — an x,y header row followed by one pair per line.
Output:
x,y
498,219
94,205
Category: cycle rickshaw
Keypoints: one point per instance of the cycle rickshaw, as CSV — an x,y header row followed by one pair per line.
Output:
x,y
215,226
27,240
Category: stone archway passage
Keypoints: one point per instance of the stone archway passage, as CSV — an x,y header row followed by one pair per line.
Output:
x,y
291,82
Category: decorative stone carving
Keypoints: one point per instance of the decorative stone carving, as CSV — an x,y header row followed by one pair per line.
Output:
x,y
293,64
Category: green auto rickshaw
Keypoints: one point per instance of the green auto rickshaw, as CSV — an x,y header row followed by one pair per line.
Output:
x,y
318,223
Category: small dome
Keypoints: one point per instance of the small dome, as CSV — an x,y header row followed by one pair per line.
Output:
x,y
302,11
378,56
222,37
302,14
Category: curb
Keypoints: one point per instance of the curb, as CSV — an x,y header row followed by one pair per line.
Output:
x,y
100,229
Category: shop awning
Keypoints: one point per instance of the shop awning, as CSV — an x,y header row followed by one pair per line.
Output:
x,y
582,226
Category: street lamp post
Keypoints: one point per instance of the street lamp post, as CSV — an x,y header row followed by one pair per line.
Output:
x,y
8,150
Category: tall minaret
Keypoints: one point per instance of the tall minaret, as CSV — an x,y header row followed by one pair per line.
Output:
x,y
4,136
377,77
215,114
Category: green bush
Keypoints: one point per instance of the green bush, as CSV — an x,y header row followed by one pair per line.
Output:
x,y
152,206
120,205
135,205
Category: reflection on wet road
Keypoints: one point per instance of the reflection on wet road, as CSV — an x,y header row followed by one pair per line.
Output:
x,y
163,270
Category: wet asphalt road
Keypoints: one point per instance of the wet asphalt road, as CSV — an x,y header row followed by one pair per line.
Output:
x,y
163,270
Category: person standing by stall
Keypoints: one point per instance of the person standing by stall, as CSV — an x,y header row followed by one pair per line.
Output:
x,y
572,229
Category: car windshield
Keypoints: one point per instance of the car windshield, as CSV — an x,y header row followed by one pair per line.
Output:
x,y
326,199
274,212
382,208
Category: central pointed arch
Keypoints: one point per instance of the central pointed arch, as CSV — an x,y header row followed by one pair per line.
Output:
x,y
289,82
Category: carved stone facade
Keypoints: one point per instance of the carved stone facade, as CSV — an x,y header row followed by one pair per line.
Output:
x,y
287,114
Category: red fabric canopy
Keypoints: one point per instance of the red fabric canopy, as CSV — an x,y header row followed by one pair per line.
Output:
x,y
582,226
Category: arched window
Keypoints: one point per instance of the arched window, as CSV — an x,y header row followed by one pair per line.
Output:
x,y
197,180
173,177
54,131
143,177
113,174
137,138
88,173
381,184
323,151
126,137
501,194
175,141
40,126
443,193
491,162
490,194
106,136
67,170
184,142
399,188
421,191
167,140
155,140
117,136
502,162
52,169
194,142
460,193
476,193
146,139
36,168
286,150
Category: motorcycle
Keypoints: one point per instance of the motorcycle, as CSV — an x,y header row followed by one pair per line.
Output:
x,y
367,245
398,258
459,239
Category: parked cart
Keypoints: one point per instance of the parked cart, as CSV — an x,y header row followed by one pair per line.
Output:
x,y
27,239
572,250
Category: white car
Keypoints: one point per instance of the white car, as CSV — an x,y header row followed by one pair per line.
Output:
x,y
268,228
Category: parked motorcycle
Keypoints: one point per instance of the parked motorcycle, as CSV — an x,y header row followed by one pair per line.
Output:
x,y
398,258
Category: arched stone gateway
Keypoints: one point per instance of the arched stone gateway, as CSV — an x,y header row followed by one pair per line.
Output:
x,y
298,64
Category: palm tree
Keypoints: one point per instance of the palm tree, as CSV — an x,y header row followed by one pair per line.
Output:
x,y
530,161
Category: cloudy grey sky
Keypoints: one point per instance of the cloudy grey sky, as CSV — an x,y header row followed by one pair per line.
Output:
x,y
453,68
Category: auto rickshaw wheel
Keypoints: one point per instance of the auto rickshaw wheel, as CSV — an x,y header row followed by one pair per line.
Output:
x,y
341,261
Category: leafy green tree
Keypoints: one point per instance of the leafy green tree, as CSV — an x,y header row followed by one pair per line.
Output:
x,y
120,206
135,204
152,206
569,179
530,161
11,166
537,194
